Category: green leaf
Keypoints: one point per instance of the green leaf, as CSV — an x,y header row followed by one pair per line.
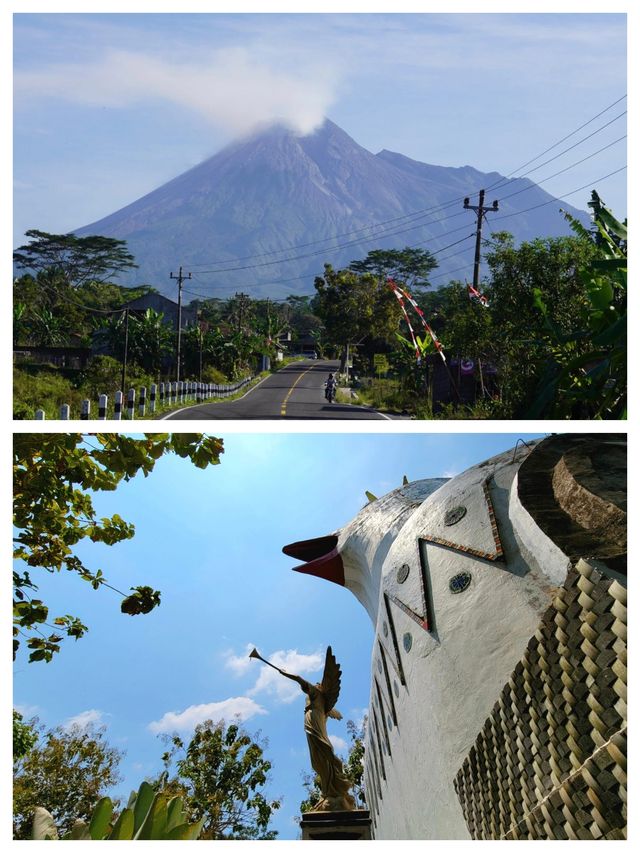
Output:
x,y
100,819
143,600
175,814
123,827
155,824
143,801
185,831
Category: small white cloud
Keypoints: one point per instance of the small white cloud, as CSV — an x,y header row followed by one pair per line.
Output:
x,y
27,711
238,707
84,719
238,664
338,742
283,689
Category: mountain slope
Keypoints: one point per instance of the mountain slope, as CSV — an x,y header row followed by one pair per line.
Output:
x,y
293,200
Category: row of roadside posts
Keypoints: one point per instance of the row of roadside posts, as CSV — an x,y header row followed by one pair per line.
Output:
x,y
164,394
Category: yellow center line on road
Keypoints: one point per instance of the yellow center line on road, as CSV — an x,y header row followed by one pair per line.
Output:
x,y
283,409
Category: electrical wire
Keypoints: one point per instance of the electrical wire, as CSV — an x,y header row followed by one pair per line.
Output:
x,y
423,211
568,136
566,169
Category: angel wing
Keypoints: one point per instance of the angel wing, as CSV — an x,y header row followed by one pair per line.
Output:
x,y
330,681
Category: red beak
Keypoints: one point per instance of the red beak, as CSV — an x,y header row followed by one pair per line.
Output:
x,y
321,558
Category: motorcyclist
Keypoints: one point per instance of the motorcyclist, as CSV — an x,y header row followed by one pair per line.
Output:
x,y
330,388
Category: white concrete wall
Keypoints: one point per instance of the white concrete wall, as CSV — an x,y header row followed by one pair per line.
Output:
x,y
454,672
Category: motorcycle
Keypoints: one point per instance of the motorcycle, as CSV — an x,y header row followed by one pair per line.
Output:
x,y
330,392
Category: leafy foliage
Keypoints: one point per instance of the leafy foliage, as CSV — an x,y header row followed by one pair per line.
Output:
x,y
354,307
66,773
148,816
409,266
588,374
353,766
150,340
220,774
25,736
76,259
53,511
548,267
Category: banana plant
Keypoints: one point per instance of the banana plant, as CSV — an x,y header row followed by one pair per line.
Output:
x,y
150,815
588,367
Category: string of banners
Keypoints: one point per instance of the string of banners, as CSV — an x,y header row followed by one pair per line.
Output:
x,y
401,296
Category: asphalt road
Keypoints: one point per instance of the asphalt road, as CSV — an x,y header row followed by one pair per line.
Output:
x,y
295,392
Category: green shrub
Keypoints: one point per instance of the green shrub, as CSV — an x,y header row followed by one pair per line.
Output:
x,y
149,816
46,390
104,376
212,374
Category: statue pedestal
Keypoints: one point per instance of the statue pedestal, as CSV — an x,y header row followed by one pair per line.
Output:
x,y
336,826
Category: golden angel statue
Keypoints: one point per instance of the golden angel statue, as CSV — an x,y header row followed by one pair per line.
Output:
x,y
320,704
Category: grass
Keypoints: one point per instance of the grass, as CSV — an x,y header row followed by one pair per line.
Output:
x,y
46,387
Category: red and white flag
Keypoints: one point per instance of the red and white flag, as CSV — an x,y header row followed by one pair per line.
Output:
x,y
475,294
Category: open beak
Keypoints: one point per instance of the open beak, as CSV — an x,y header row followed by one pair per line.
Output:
x,y
321,558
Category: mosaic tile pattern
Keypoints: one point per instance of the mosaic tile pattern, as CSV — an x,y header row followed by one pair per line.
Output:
x,y
460,582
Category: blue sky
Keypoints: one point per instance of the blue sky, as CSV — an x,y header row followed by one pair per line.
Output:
x,y
110,106
211,542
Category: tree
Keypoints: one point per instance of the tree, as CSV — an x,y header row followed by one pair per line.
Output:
x,y
409,266
20,323
48,329
354,307
587,375
25,736
546,269
151,339
353,768
220,774
76,259
66,772
54,474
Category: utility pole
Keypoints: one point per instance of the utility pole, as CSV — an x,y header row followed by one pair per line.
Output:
x,y
480,211
126,351
179,278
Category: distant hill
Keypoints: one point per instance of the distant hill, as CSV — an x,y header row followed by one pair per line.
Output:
x,y
281,196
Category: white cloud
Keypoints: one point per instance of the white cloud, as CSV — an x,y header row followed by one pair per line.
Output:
x,y
27,711
238,707
271,682
338,742
230,89
238,664
84,719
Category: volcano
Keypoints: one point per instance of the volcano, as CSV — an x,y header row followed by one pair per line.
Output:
x,y
266,213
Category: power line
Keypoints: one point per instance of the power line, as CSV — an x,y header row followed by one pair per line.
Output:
x,y
388,233
504,216
564,195
422,211
566,169
568,136
305,277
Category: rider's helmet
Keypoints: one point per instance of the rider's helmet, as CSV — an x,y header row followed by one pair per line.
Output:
x,y
331,376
